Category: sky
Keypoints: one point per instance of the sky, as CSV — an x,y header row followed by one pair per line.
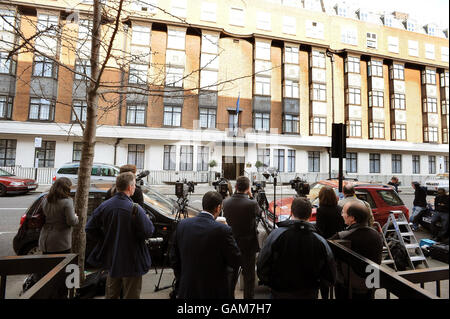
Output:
x,y
426,10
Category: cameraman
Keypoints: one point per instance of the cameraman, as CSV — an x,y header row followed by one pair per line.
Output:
x,y
241,211
137,197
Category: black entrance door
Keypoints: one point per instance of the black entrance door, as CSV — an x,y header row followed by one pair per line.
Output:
x,y
232,167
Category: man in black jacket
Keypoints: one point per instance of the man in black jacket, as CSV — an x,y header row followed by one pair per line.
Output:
x,y
295,259
241,212
441,212
364,241
137,197
419,204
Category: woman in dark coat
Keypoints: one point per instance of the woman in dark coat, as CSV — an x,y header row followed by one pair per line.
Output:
x,y
328,216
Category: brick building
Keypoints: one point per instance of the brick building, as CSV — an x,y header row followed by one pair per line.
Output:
x,y
174,108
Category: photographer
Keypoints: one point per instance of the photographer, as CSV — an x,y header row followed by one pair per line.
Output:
x,y
241,211
137,197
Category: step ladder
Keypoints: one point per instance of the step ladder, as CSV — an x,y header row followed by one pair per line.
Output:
x,y
387,258
397,228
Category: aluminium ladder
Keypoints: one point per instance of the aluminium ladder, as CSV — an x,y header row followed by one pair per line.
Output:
x,y
387,258
397,228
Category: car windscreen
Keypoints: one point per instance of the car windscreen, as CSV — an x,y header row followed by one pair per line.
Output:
x,y
73,170
390,197
5,173
158,200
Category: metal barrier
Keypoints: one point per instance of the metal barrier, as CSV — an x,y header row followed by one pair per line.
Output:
x,y
401,284
54,267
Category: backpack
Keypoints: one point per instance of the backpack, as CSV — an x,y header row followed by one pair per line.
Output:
x,y
399,254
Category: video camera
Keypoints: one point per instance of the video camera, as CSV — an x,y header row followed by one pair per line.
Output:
x,y
140,176
259,194
301,186
221,185
183,188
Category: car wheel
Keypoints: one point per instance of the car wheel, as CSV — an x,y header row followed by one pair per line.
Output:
x,y
2,190
31,249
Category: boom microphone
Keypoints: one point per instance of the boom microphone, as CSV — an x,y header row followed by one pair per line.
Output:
x,y
142,174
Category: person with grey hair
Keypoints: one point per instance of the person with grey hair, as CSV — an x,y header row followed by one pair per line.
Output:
x,y
120,228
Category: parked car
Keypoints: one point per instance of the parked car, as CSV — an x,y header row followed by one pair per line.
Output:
x,y
382,200
99,172
9,184
432,185
160,208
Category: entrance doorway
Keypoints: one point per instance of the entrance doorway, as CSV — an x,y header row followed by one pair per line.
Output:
x,y
233,167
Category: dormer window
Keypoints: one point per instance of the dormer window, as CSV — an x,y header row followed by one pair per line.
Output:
x,y
388,21
341,11
363,16
431,30
410,26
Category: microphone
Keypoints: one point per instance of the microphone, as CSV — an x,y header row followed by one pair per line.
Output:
x,y
142,174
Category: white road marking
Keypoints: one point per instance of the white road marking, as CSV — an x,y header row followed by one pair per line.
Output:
x,y
10,208
8,232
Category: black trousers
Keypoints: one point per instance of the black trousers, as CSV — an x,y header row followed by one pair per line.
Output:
x,y
248,271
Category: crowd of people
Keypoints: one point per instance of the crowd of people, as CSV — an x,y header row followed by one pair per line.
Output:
x,y
208,254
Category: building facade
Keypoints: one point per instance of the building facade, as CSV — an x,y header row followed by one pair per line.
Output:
x,y
233,83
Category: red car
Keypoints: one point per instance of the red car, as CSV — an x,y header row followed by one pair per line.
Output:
x,y
382,200
9,184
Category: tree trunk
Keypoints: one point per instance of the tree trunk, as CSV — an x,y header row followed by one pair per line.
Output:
x,y
87,153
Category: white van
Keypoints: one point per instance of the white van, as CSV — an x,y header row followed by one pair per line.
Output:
x,y
100,172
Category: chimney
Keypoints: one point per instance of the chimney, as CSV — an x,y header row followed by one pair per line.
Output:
x,y
400,15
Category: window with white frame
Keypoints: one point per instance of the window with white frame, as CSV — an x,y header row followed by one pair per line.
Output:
x,y
376,130
262,50
261,121
76,152
396,163
48,24
140,35
179,8
430,134
318,59
397,71
291,89
207,118
138,73
174,76
6,104
291,161
41,110
318,92
237,17
399,132
429,51
136,114
375,68
349,36
263,155
278,159
289,25
314,161
416,164
210,43
342,11
263,21
445,136
388,21
413,48
398,101
411,26
354,128
208,12
352,64
169,159
353,96
202,158
45,155
429,76
82,70
444,79
176,39
79,111
5,63
319,125
136,155
7,22
290,123
84,38
363,15
351,162
172,115
444,54
371,40
374,163
262,85
314,29
431,30
444,107
186,157
432,164
291,54
393,44
44,67
376,98
430,105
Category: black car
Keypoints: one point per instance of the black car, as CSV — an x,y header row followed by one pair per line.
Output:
x,y
161,209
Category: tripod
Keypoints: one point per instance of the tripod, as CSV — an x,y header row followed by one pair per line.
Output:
x,y
181,211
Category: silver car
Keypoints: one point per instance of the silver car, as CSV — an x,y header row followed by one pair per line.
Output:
x,y
100,172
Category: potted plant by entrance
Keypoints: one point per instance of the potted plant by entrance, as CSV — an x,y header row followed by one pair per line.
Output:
x,y
211,164
258,164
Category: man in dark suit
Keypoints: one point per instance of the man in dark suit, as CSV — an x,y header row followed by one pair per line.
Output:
x,y
203,251
241,212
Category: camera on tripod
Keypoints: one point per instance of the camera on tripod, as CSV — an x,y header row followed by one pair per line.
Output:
x,y
221,185
259,193
301,186
183,188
